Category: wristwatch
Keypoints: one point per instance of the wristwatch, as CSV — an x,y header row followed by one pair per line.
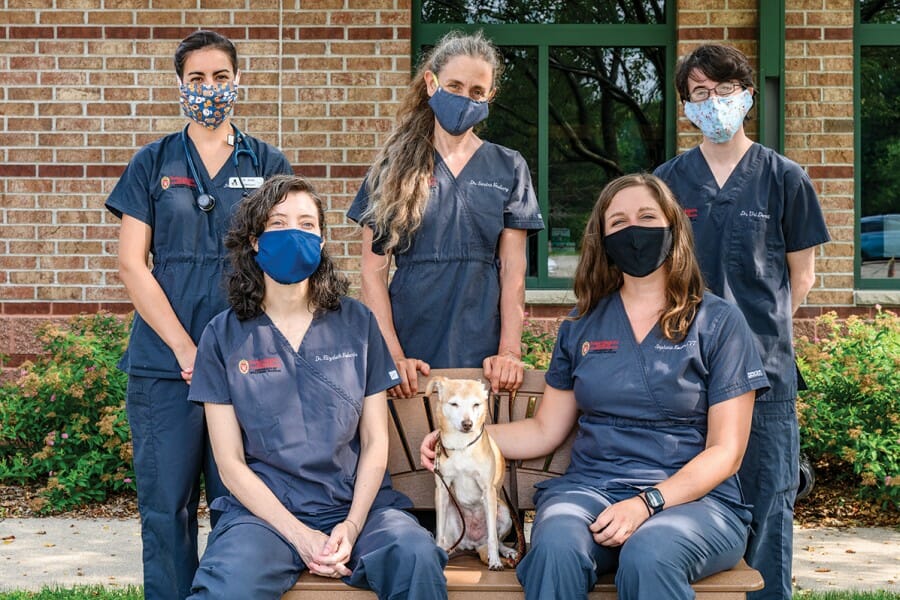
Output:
x,y
654,499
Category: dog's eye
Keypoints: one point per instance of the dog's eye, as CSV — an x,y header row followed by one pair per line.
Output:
x,y
476,406
454,405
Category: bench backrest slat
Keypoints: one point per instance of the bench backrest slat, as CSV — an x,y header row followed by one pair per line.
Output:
x,y
413,418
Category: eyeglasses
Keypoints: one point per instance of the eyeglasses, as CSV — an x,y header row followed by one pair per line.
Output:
x,y
726,88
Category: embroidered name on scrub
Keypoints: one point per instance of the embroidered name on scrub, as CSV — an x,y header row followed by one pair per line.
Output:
x,y
490,184
755,214
688,344
331,357
248,182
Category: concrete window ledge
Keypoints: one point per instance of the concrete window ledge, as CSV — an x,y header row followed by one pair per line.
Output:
x,y
871,297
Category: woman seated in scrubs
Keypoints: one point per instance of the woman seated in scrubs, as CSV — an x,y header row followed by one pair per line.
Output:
x,y
454,212
292,380
659,377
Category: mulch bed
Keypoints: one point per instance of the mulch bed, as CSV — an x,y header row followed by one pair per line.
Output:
x,y
830,504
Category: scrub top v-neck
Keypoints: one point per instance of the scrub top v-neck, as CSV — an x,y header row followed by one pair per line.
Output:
x,y
445,293
299,410
643,406
157,188
742,231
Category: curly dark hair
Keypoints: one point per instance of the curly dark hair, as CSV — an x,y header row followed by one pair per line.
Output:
x,y
244,281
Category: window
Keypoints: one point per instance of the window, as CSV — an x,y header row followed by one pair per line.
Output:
x,y
878,144
586,96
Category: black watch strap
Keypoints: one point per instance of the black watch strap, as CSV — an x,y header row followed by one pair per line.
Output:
x,y
647,504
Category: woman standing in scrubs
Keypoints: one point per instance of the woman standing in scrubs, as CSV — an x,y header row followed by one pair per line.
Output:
x,y
660,378
292,379
175,199
453,211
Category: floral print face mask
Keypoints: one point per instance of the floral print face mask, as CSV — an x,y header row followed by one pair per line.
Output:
x,y
719,118
208,105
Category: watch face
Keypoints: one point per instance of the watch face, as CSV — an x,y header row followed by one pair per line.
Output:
x,y
654,498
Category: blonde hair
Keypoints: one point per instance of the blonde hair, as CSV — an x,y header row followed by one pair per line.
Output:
x,y
596,276
399,181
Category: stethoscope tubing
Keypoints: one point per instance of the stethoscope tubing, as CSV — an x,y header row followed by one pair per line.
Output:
x,y
205,201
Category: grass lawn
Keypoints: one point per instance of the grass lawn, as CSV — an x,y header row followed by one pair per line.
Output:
x,y
136,593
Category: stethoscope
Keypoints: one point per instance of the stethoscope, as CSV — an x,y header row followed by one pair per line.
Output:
x,y
206,202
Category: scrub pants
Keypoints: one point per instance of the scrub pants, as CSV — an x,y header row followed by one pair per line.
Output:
x,y
394,557
171,449
770,476
660,560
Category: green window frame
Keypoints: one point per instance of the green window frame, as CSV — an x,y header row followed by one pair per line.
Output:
x,y
867,35
543,36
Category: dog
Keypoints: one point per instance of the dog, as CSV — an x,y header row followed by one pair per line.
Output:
x,y
471,512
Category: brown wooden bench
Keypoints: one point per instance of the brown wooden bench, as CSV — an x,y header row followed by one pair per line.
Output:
x,y
467,579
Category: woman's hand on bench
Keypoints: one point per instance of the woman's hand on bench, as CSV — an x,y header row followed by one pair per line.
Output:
x,y
504,371
408,369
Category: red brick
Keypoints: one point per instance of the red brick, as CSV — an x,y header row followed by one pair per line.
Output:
x,y
60,171
30,33
371,33
127,33
351,171
59,293
13,170
830,172
838,33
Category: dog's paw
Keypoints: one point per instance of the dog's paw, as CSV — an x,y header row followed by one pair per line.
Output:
x,y
496,565
507,552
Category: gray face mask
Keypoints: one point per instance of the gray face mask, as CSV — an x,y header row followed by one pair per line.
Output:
x,y
457,114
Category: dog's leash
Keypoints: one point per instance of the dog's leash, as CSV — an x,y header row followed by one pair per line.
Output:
x,y
438,451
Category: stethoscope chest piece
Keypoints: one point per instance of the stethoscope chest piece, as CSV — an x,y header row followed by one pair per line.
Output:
x,y
206,202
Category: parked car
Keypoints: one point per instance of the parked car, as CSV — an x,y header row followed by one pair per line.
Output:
x,y
879,237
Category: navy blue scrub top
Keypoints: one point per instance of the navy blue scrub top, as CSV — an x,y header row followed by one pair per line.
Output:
x,y
445,292
643,407
158,189
299,411
767,208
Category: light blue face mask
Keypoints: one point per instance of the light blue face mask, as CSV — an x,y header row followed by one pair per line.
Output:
x,y
456,114
720,117
289,255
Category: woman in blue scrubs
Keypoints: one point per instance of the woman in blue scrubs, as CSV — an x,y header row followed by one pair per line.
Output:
x,y
660,379
453,211
292,379
175,199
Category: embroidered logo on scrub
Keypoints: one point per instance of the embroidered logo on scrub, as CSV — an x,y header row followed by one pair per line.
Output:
x,y
166,182
754,374
260,365
599,347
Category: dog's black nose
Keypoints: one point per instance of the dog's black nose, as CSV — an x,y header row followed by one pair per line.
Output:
x,y
467,425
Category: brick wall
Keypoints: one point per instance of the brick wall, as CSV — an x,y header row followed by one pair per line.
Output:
x,y
85,83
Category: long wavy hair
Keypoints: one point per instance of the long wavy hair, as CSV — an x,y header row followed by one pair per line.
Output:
x,y
596,276
399,180
245,284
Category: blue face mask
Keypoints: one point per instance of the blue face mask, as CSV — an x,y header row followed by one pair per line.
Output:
x,y
456,114
289,255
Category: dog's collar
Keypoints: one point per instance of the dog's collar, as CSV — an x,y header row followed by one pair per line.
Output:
x,y
478,437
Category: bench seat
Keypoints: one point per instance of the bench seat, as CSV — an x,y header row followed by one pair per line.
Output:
x,y
468,579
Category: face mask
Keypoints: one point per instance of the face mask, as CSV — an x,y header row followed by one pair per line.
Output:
x,y
289,255
456,114
208,105
720,118
638,251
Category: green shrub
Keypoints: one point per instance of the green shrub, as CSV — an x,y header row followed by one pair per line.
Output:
x,y
62,423
537,346
850,415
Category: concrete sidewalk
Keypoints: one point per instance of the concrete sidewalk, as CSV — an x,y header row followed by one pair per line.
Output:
x,y
56,551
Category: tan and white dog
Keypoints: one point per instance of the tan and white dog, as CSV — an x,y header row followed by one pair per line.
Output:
x,y
472,469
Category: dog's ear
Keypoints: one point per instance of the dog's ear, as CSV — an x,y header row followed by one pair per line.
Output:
x,y
436,383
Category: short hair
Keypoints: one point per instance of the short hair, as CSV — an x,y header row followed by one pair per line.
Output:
x,y
718,62
245,282
204,39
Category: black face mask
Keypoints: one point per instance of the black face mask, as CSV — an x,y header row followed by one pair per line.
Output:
x,y
638,251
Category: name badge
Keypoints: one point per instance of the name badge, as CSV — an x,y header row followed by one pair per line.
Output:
x,y
248,182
